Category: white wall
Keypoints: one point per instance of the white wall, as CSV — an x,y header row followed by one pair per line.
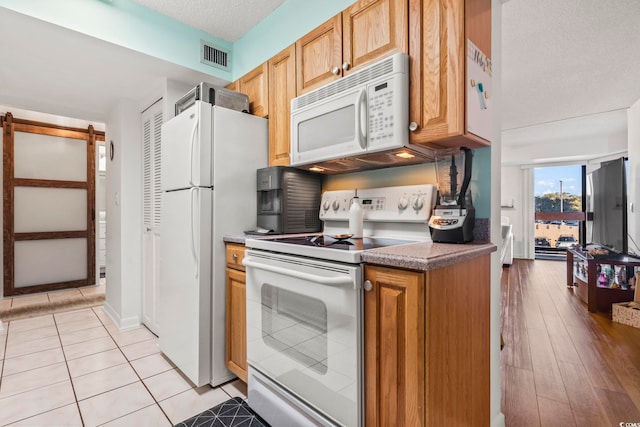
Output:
x,y
634,175
124,211
518,163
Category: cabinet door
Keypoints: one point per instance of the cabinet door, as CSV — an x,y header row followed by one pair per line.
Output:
x,y
282,89
319,55
438,30
233,86
437,74
394,347
255,85
236,324
371,29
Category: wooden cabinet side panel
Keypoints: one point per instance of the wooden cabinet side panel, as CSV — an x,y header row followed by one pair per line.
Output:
x,y
457,346
255,85
317,53
394,348
236,328
233,86
436,46
372,28
282,89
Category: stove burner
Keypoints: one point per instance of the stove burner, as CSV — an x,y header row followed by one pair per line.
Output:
x,y
345,244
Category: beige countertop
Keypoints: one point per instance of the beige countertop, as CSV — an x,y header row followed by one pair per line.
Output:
x,y
415,256
426,256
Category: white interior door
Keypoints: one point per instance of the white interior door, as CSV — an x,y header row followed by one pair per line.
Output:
x,y
151,138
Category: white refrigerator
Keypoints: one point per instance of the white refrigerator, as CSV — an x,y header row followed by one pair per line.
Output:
x,y
210,156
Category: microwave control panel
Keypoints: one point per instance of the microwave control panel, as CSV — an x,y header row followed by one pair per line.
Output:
x,y
381,111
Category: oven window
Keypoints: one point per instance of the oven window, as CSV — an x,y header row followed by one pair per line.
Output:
x,y
295,325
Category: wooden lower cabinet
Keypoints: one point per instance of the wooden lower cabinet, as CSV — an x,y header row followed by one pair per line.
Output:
x,y
426,345
236,319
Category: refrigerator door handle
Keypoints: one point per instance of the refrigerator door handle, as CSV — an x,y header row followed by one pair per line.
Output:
x,y
194,252
193,141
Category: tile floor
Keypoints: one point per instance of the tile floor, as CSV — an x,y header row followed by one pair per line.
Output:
x,y
75,368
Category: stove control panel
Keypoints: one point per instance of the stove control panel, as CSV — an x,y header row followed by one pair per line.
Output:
x,y
411,203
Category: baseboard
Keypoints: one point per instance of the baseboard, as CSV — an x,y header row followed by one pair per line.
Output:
x,y
498,420
123,324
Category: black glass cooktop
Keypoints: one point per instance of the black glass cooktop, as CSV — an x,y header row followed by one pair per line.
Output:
x,y
339,242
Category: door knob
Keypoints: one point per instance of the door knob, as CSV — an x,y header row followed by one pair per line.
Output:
x,y
367,285
413,126
335,70
235,257
345,66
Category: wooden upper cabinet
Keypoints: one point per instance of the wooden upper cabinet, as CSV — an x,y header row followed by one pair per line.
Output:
x,y
282,89
233,86
362,34
371,29
255,85
438,34
319,55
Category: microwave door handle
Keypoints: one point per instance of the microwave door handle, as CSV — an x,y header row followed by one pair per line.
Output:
x,y
329,281
361,119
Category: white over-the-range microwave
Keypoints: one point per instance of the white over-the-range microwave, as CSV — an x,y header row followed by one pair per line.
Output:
x,y
360,121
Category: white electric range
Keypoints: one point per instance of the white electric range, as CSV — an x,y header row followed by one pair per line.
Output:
x,y
304,307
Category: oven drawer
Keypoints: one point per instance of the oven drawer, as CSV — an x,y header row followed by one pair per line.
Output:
x,y
234,256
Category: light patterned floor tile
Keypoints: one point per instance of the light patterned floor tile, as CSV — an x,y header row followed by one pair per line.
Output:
x,y
64,295
114,404
32,379
21,301
104,318
95,362
167,384
33,361
3,340
132,336
151,416
67,416
152,365
191,402
79,325
236,388
74,316
34,346
34,402
89,347
32,334
31,323
104,380
141,349
83,335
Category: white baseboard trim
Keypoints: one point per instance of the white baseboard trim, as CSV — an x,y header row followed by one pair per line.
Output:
x,y
498,420
123,324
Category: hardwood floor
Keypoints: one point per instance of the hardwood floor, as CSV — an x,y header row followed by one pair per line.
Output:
x,y
561,365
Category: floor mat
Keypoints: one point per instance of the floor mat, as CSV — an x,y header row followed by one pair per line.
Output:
x,y
232,413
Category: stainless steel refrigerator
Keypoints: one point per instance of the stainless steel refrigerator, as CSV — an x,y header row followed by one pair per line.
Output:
x,y
210,156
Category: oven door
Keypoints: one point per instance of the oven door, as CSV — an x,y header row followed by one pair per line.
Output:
x,y
304,330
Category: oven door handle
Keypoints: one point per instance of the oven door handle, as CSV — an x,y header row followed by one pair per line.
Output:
x,y
328,281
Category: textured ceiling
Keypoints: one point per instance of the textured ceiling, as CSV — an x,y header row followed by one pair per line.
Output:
x,y
225,19
567,59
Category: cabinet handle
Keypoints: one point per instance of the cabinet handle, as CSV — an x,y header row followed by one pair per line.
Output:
x,y
345,66
235,257
413,126
367,285
335,70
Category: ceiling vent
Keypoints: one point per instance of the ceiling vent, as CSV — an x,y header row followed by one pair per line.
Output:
x,y
214,56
